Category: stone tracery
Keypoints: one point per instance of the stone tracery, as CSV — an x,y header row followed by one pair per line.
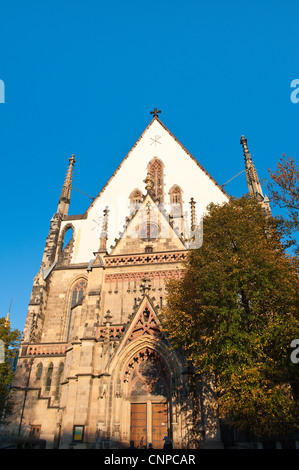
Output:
x,y
155,171
147,374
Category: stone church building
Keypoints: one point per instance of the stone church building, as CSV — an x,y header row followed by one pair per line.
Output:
x,y
95,369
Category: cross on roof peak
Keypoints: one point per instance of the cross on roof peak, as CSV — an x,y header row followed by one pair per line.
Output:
x,y
155,112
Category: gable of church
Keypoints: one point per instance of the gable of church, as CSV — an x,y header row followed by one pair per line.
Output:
x,y
178,177
148,229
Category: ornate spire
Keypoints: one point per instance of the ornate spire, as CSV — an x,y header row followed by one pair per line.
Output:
x,y
253,182
65,197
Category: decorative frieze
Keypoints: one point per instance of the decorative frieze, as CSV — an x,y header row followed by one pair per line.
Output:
x,y
114,333
46,349
138,276
147,258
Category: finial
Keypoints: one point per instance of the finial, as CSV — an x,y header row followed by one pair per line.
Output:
x,y
149,183
243,142
7,321
108,318
104,233
145,286
155,112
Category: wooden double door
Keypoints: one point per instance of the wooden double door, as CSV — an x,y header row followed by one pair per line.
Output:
x,y
149,423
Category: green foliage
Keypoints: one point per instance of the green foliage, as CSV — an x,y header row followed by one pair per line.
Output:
x,y
283,191
11,339
235,313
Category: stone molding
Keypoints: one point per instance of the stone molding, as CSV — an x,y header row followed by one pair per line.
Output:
x,y
138,276
147,258
46,349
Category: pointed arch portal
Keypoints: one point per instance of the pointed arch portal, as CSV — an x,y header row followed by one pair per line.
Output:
x,y
148,379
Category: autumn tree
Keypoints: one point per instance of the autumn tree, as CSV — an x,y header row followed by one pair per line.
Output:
x,y
234,315
283,191
11,342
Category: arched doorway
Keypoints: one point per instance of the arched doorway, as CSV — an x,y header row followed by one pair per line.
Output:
x,y
148,385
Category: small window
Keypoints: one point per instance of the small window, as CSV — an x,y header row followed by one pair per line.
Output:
x,y
135,199
148,249
35,431
176,201
78,433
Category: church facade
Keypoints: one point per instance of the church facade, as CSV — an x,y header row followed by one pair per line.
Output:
x,y
95,368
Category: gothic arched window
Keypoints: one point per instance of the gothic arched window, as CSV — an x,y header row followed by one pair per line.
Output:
x,y
155,170
77,294
49,377
39,371
147,374
66,244
135,199
78,291
59,378
176,201
68,235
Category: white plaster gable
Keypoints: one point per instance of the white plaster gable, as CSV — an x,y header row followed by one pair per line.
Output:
x,y
180,168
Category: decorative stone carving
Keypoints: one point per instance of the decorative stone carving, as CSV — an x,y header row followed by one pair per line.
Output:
x,y
147,374
145,324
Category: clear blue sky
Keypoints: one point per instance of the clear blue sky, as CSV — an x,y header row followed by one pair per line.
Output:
x,y
81,76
